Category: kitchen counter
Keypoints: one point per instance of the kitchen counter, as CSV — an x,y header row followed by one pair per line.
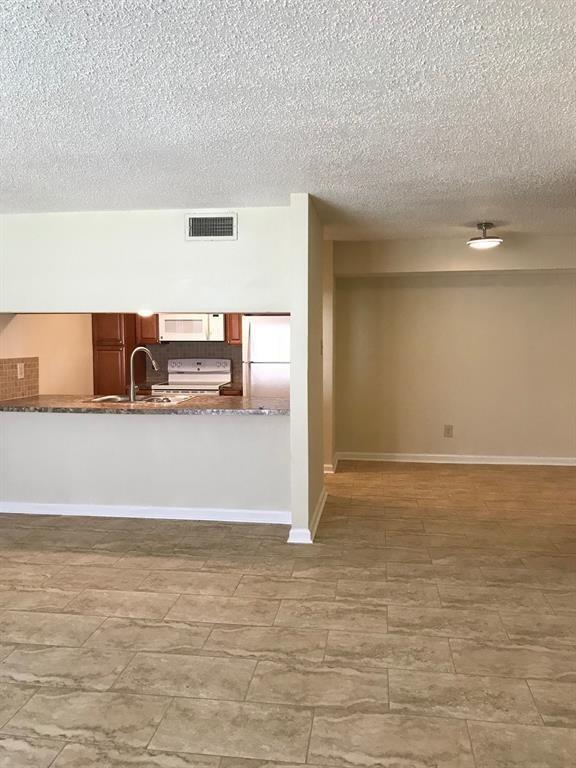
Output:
x,y
197,405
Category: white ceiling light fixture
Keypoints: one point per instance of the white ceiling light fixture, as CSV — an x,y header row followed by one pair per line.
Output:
x,y
484,242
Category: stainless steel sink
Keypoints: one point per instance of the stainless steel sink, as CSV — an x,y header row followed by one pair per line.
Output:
x,y
152,399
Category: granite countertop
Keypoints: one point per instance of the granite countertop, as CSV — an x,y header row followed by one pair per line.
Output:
x,y
198,405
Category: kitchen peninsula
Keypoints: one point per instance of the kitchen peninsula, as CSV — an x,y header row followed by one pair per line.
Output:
x,y
208,459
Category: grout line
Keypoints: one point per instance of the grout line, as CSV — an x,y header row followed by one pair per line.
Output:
x,y
471,742
535,704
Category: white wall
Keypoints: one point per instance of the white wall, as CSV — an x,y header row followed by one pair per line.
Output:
x,y
127,260
518,252
63,344
125,461
492,354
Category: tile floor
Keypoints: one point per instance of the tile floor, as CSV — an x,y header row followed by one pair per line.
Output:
x,y
431,625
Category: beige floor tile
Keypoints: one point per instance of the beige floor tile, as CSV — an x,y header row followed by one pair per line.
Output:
x,y
30,599
107,756
534,579
324,569
508,598
551,562
6,650
259,731
381,651
475,557
25,574
16,752
263,586
539,628
389,592
251,566
114,602
514,660
224,610
556,702
193,583
461,696
12,697
389,741
86,668
273,643
159,563
424,573
355,616
85,577
522,746
446,622
318,685
561,602
192,676
147,635
90,717
46,628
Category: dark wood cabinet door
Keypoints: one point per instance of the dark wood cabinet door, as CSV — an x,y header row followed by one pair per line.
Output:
x,y
110,371
108,329
234,328
147,331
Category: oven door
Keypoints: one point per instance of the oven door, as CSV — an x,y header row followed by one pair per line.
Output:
x,y
183,327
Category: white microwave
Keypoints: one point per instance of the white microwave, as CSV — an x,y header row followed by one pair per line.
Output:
x,y
191,327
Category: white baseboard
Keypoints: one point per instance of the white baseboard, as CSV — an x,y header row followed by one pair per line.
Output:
x,y
306,535
279,517
330,469
445,458
299,536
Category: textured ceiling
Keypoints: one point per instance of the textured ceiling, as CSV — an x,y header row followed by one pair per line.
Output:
x,y
404,117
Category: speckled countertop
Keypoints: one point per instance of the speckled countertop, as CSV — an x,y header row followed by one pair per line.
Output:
x,y
198,405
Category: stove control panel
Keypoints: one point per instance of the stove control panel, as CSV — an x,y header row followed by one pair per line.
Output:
x,y
196,365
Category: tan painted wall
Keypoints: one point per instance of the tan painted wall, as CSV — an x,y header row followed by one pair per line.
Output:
x,y
492,354
63,344
315,360
518,252
328,354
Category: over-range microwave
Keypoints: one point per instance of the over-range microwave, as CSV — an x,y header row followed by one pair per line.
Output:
x,y
191,327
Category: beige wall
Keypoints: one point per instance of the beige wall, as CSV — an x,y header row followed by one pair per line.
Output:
x,y
492,354
328,355
315,362
63,344
518,252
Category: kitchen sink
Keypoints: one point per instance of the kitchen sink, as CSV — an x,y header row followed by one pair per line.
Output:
x,y
152,399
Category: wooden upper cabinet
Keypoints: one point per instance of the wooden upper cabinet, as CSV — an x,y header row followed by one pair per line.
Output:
x,y
234,328
108,329
147,330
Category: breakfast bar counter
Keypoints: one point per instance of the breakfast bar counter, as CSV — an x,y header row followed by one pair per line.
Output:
x,y
196,405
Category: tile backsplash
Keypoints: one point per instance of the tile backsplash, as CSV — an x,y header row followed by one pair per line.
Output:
x,y
200,349
11,386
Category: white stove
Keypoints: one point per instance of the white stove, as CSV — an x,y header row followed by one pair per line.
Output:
x,y
195,376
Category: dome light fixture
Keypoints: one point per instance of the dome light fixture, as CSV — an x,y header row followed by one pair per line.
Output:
x,y
484,242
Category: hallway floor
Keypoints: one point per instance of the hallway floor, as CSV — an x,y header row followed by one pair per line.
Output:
x,y
431,625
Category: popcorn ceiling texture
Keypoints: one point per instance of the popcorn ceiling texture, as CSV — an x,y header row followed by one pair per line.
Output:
x,y
404,118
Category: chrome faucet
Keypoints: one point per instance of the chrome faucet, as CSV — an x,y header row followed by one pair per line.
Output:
x,y
133,385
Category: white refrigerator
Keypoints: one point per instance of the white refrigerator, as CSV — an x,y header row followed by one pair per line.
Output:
x,y
266,355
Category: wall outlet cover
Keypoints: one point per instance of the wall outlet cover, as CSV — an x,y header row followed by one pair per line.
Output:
x,y
448,430
20,370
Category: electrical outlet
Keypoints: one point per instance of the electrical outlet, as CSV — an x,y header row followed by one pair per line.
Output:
x,y
20,370
448,430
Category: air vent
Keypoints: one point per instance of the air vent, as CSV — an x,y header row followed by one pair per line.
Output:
x,y
220,225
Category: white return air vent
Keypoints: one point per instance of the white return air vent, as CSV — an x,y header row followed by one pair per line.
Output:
x,y
212,225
